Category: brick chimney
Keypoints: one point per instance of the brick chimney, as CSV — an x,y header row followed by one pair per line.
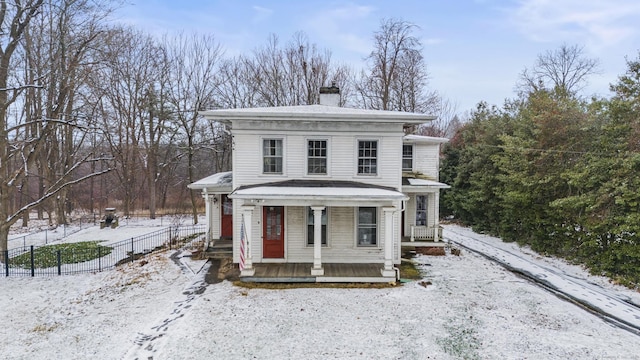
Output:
x,y
330,96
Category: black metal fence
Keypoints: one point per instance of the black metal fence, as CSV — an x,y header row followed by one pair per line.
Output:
x,y
65,258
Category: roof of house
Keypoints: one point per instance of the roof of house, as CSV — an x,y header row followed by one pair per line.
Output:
x,y
424,139
315,112
317,190
219,181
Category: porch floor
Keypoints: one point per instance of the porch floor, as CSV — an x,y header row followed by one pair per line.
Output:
x,y
406,241
301,272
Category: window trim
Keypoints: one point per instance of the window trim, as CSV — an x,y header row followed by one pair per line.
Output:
x,y
327,156
407,158
263,156
374,226
307,209
377,158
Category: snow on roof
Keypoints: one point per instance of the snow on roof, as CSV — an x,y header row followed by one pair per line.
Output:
x,y
425,182
314,191
424,139
317,112
218,180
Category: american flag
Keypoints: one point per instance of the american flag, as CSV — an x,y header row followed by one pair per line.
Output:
x,y
242,245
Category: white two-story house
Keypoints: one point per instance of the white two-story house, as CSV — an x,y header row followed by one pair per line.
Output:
x,y
323,193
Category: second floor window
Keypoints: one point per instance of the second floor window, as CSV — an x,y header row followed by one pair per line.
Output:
x,y
272,156
317,157
407,157
367,157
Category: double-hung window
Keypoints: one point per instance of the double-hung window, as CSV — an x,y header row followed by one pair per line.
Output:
x,y
311,227
317,157
367,157
367,226
421,210
272,156
407,157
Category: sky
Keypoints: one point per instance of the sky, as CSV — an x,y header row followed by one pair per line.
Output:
x,y
474,50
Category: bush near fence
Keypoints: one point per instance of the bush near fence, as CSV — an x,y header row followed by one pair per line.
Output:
x,y
64,261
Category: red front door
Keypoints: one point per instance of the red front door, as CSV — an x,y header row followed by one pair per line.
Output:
x,y
226,221
273,231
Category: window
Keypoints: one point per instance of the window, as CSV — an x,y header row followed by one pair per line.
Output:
x,y
272,156
311,227
367,157
367,226
317,157
421,210
407,157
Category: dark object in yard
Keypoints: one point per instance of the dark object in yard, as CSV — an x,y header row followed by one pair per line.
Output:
x,y
110,218
455,251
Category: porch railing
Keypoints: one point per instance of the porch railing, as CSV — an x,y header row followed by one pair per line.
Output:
x,y
428,233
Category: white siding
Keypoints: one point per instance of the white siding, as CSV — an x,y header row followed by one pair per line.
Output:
x,y
342,159
342,165
426,159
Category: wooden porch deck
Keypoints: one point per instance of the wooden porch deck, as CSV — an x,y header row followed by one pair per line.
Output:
x,y
301,272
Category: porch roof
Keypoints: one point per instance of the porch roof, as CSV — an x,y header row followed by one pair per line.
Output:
x,y
414,185
220,182
325,191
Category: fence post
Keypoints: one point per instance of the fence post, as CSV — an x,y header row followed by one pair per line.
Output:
x,y
59,258
170,238
99,258
6,262
132,250
33,270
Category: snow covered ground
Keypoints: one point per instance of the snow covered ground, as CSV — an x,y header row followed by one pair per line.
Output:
x,y
472,309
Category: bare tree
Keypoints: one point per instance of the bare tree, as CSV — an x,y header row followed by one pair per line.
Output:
x,y
293,74
193,61
26,136
564,70
396,78
131,108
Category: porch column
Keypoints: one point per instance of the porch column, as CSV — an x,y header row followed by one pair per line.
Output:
x,y
436,215
209,201
317,241
247,213
388,269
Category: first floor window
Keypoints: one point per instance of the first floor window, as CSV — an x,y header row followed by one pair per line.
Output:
x,y
311,227
272,156
367,157
421,210
367,226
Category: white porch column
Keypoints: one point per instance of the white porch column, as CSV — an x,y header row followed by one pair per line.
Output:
x,y
247,213
388,269
317,241
436,215
209,200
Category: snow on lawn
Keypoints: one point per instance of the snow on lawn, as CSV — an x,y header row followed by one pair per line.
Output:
x,y
472,309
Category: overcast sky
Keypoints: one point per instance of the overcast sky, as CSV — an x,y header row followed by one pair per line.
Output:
x,y
474,49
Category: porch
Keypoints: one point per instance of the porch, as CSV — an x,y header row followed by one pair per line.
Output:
x,y
333,273
424,236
